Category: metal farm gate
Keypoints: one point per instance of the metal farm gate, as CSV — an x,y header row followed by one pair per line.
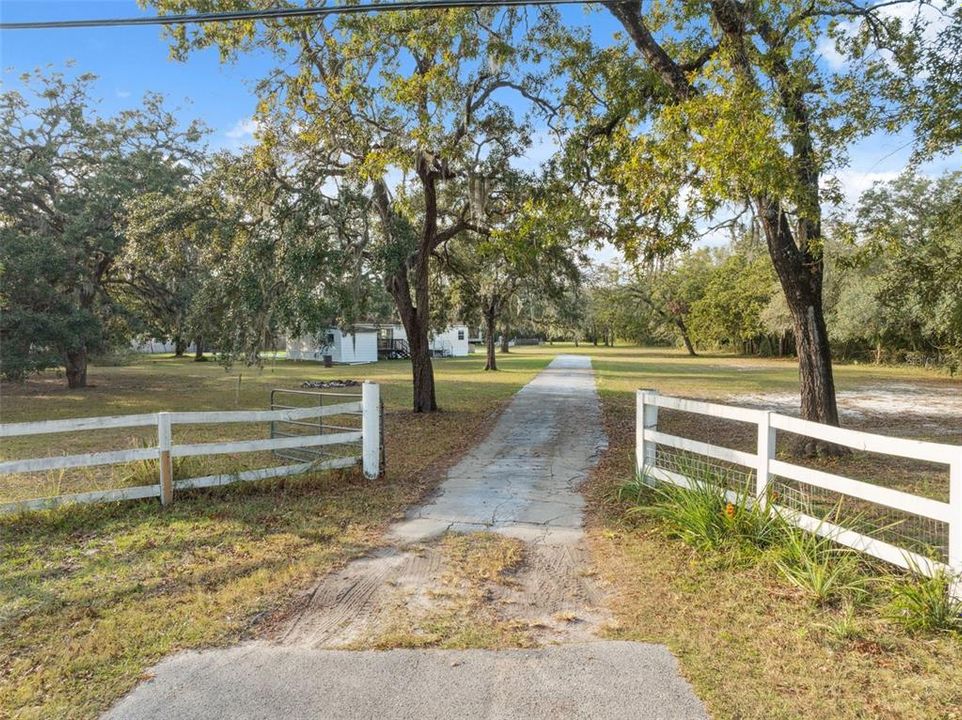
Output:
x,y
286,399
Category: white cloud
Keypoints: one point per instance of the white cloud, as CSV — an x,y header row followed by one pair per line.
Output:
x,y
242,129
930,18
854,182
123,93
830,54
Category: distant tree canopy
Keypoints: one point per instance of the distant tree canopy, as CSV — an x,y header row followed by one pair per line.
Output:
x,y
533,248
904,275
266,248
65,175
893,285
384,181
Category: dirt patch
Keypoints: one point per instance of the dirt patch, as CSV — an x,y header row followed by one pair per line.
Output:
x,y
474,590
497,557
933,409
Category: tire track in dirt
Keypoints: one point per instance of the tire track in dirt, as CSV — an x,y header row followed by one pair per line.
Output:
x,y
522,482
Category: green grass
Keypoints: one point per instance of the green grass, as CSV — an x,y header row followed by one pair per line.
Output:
x,y
91,596
703,515
825,571
921,603
755,646
167,383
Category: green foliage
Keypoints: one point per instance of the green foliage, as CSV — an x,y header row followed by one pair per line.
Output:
x,y
893,284
716,298
65,175
709,518
737,291
923,603
255,249
903,276
747,115
704,515
820,567
530,248
404,110
610,312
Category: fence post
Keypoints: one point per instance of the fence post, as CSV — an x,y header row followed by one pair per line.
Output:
x,y
955,526
646,418
166,464
371,429
766,453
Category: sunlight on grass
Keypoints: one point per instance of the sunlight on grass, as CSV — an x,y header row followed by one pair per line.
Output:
x,y
754,645
91,596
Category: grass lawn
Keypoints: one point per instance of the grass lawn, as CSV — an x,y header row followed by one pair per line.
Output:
x,y
754,647
91,596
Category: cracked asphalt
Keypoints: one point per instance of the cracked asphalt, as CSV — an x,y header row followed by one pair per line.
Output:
x,y
522,481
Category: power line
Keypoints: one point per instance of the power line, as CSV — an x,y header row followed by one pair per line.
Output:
x,y
279,13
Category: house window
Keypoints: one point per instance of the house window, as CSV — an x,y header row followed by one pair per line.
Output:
x,y
460,334
330,338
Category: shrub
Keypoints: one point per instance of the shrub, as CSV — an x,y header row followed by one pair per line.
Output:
x,y
816,564
705,515
920,602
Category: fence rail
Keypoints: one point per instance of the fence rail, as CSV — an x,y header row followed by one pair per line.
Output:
x,y
764,465
367,439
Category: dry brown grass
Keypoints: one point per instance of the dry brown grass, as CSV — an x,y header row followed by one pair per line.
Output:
x,y
752,646
91,596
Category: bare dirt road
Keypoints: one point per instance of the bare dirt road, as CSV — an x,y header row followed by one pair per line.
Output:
x,y
496,560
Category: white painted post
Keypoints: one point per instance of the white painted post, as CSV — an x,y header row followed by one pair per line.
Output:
x,y
766,453
639,433
955,526
646,418
371,429
164,442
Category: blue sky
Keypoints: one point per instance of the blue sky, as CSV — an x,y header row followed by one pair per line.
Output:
x,y
131,61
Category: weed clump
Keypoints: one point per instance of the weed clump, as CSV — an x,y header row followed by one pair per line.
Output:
x,y
715,519
924,603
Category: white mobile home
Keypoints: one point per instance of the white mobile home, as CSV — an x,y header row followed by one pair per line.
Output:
x,y
153,345
450,342
359,346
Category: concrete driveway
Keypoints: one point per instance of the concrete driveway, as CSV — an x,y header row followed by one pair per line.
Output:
x,y
522,480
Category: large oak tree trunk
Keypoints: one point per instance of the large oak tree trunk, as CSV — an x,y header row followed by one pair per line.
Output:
x,y
505,342
180,346
199,350
423,375
416,327
814,364
75,362
800,276
414,311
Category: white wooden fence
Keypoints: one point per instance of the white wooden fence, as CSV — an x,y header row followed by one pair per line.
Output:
x,y
764,466
368,439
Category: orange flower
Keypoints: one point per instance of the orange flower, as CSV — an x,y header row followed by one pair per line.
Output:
x,y
730,511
